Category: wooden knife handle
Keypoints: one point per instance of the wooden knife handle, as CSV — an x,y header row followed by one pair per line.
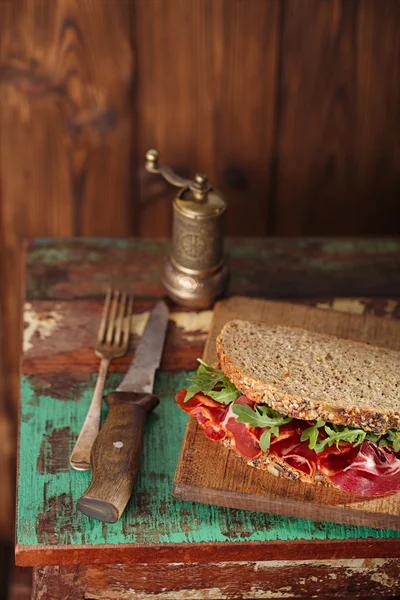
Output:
x,y
115,456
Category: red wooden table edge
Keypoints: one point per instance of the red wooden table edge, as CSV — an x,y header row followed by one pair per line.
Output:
x,y
38,556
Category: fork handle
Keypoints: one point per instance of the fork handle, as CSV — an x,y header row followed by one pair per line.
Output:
x,y
80,457
115,457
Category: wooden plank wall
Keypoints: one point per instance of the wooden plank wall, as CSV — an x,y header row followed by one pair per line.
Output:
x,y
291,107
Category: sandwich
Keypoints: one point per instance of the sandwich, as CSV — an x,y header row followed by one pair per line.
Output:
x,y
303,405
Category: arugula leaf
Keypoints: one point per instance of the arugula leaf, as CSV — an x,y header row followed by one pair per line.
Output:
x,y
262,416
392,438
311,433
265,439
213,383
227,394
338,434
208,368
373,437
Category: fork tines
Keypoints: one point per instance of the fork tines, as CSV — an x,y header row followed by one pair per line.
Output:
x,y
116,319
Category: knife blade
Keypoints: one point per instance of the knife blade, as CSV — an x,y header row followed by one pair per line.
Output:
x,y
115,455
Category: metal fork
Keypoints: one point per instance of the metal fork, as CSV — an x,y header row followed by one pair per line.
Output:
x,y
112,342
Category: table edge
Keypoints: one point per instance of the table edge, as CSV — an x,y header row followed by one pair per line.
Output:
x,y
204,552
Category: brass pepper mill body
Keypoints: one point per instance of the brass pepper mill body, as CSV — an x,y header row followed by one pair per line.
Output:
x,y
195,273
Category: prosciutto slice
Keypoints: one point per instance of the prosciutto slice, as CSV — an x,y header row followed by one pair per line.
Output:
x,y
374,472
295,453
207,412
243,438
334,460
198,400
365,470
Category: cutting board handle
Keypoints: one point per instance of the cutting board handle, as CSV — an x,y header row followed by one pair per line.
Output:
x,y
115,456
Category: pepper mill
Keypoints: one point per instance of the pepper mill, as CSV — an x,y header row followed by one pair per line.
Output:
x,y
195,273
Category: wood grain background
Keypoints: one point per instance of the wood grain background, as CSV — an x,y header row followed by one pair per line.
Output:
x,y
291,107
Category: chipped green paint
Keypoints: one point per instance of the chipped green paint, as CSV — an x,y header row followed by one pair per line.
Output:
x,y
49,251
47,493
55,250
60,268
320,246
49,255
361,246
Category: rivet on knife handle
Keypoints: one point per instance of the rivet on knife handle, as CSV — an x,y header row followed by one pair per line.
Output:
x,y
115,456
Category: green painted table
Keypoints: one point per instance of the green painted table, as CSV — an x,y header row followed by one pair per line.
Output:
x,y
163,547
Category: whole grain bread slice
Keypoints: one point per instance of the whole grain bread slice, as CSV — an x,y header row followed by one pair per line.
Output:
x,y
309,375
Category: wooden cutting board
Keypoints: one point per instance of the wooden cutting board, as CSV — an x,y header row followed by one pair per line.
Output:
x,y
208,472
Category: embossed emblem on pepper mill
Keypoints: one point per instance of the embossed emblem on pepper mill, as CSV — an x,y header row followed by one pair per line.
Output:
x,y
196,273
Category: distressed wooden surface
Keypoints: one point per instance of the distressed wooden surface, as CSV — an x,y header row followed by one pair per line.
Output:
x,y
54,401
51,531
65,284
187,333
231,482
218,581
264,267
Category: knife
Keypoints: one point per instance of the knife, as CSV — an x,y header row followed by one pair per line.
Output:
x,y
115,455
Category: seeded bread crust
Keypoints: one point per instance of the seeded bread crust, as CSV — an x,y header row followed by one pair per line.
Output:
x,y
309,359
276,466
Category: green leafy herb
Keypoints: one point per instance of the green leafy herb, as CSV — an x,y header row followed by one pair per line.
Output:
x,y
262,416
373,437
265,439
392,438
311,433
340,433
212,382
337,434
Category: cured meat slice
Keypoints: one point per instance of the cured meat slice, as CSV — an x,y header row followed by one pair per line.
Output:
x,y
214,433
300,463
207,415
199,399
334,460
374,472
243,440
294,452
207,412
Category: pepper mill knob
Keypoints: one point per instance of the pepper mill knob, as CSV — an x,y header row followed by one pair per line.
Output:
x,y
200,186
152,160
201,180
